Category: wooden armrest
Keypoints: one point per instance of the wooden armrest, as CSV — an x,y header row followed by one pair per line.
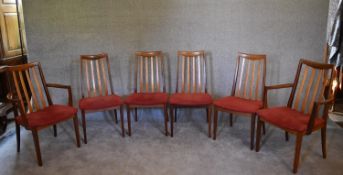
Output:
x,y
315,110
62,86
278,86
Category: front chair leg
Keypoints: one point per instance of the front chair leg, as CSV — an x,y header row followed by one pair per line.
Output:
x,y
252,131
55,130
297,153
323,136
175,115
17,129
215,123
165,110
115,116
122,121
83,115
258,134
77,133
171,121
37,147
128,120
208,111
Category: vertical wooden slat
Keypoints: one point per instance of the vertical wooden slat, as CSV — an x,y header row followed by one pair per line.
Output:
x,y
25,91
307,92
146,74
199,73
93,78
299,92
99,77
140,60
18,89
183,60
32,90
158,74
87,77
189,74
152,74
315,90
35,78
258,80
240,78
193,74
246,80
104,75
252,79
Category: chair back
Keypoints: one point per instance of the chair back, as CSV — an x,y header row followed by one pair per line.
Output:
x,y
310,85
95,75
250,76
29,88
191,72
149,72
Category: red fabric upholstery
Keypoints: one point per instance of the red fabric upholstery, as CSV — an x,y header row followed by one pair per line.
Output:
x,y
157,98
193,99
48,116
238,104
100,102
287,118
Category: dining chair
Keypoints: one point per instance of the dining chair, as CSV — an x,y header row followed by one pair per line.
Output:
x,y
191,86
246,93
37,111
307,107
149,86
97,89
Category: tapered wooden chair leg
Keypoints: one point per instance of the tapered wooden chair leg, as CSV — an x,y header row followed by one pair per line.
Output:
x,y
136,117
165,110
323,135
37,147
258,135
215,123
83,115
55,130
122,121
252,131
171,122
263,128
128,120
231,119
77,133
115,116
297,152
207,116
175,114
286,136
209,120
17,129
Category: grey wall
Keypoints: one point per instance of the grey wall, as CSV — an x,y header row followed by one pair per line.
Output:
x,y
286,30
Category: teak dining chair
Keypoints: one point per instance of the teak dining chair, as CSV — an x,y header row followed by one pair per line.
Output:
x,y
149,85
246,93
37,111
301,116
97,89
191,85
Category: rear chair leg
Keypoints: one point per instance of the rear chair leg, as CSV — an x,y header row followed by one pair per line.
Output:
x,y
115,116
128,120
55,130
323,135
165,110
209,118
231,119
84,126
215,123
136,117
252,131
286,136
171,121
17,129
122,121
77,133
258,134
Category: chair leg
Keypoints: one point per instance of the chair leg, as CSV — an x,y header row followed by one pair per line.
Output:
x,y
231,119
122,121
286,136
209,120
258,134
323,134
207,116
171,121
17,129
252,131
55,130
136,117
37,147
115,116
175,115
297,153
77,133
215,123
83,114
165,110
263,128
128,120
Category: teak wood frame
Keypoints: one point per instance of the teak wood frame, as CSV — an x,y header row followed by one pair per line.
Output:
x,y
21,99
197,83
250,58
150,73
98,78
326,69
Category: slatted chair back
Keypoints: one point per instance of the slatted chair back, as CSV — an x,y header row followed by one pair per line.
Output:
x,y
29,88
96,75
250,76
149,72
191,72
310,85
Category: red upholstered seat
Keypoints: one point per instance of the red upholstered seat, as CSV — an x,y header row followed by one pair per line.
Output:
x,y
48,116
100,102
193,99
156,98
238,104
287,118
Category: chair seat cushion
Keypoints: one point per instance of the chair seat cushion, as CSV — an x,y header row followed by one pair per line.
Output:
x,y
287,118
48,116
190,99
158,98
238,104
100,102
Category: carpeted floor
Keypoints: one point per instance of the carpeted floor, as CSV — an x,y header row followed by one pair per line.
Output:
x,y
149,152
